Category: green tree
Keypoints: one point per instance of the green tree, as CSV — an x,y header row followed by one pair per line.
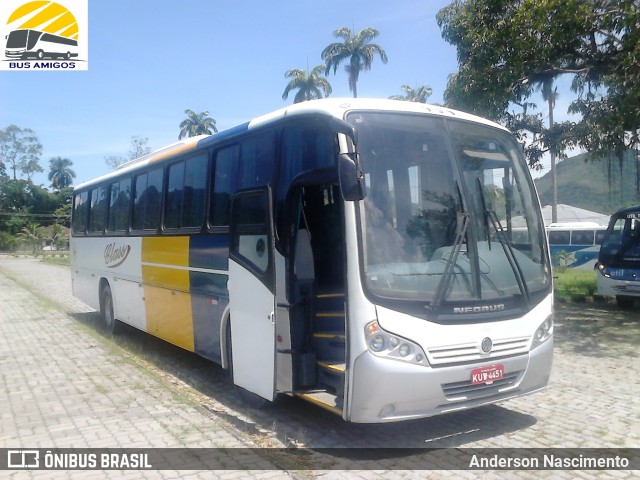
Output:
x,y
60,173
20,151
309,85
505,46
196,124
356,50
31,234
418,94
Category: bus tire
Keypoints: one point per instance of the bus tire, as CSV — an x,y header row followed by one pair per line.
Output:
x,y
39,54
67,55
106,310
624,302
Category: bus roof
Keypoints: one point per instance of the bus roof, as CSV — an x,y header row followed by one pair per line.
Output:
x,y
334,107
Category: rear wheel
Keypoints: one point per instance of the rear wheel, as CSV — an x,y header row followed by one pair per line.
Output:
x,y
106,310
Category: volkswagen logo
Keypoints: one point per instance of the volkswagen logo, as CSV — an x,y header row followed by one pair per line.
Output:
x,y
487,345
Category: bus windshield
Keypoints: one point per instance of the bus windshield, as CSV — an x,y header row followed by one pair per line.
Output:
x,y
449,213
621,245
17,39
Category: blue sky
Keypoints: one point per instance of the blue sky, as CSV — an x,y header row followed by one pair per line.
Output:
x,y
150,60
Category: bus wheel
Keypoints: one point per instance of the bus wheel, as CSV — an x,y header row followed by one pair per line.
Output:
x,y
39,54
68,55
106,310
624,302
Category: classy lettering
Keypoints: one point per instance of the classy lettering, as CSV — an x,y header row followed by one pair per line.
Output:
x,y
115,255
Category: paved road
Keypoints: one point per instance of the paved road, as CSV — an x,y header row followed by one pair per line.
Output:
x,y
66,383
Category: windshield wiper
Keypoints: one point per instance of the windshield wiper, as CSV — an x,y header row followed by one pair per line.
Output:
x,y
443,285
491,216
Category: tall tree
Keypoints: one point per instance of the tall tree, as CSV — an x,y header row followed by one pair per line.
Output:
x,y
60,173
418,94
196,124
356,50
504,46
20,151
309,85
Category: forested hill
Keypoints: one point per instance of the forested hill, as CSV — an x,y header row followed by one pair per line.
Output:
x,y
601,186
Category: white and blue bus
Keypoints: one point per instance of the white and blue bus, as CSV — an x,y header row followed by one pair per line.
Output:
x,y
29,43
575,244
359,254
619,259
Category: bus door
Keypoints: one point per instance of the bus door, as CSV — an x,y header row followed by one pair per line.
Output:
x,y
252,292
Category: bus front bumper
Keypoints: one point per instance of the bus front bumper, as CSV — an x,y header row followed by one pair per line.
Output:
x,y
388,390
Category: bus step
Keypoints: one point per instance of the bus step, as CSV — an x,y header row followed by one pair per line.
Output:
x,y
330,302
332,367
331,377
329,321
324,400
329,346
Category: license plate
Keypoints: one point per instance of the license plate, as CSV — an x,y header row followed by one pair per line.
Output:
x,y
487,374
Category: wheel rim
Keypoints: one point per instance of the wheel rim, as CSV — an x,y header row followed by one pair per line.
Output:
x,y
108,309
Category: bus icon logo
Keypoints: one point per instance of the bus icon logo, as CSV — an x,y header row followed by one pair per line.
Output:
x,y
44,35
23,459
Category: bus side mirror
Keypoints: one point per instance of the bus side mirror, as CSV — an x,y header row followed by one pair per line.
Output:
x,y
349,168
351,177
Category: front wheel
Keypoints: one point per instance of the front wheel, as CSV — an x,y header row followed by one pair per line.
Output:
x,y
106,310
624,302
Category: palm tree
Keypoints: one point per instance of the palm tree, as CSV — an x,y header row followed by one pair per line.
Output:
x,y
197,124
310,86
419,94
356,50
31,233
60,173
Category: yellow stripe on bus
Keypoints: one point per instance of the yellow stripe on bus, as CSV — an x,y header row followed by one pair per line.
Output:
x,y
166,289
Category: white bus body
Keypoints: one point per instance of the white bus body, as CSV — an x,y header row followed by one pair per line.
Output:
x,y
575,244
356,253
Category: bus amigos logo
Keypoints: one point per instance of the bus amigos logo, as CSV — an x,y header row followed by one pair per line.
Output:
x,y
44,35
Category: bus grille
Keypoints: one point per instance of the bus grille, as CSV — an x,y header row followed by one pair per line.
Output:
x,y
453,354
461,391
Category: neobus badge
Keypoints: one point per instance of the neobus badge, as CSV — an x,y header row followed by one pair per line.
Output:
x,y
44,35
480,309
115,255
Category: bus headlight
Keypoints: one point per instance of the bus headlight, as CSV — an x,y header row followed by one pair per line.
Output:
x,y
602,270
384,344
543,333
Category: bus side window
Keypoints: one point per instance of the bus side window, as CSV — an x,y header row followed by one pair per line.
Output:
x,y
119,206
175,196
147,200
195,184
80,212
224,183
184,207
256,161
559,237
582,237
98,210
